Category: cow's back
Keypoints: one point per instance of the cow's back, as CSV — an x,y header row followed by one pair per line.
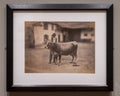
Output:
x,y
67,45
66,48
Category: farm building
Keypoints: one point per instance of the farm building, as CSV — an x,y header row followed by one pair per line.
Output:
x,y
39,33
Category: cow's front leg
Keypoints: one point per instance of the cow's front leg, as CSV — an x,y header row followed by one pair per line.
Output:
x,y
55,59
50,58
59,59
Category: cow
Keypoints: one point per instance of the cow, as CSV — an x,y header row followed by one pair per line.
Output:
x,y
59,49
55,57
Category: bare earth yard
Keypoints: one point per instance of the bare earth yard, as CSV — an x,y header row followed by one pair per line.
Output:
x,y
37,61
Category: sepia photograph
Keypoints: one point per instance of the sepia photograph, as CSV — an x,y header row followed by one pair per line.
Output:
x,y
59,47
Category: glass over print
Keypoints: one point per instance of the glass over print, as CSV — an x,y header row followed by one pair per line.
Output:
x,y
53,47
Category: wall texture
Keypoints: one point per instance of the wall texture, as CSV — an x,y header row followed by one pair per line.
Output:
x,y
116,91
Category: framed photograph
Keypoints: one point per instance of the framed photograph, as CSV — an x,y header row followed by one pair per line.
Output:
x,y
60,47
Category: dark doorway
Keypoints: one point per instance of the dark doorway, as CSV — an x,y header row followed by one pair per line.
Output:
x,y
74,36
64,38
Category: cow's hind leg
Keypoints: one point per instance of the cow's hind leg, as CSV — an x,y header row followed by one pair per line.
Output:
x,y
75,60
72,59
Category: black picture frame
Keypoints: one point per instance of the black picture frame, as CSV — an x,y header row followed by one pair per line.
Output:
x,y
69,7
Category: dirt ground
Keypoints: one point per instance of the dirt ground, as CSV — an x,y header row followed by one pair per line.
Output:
x,y
37,61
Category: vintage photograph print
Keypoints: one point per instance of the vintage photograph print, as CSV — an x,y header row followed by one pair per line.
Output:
x,y
59,47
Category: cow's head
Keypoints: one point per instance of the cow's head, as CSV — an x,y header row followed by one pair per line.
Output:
x,y
51,45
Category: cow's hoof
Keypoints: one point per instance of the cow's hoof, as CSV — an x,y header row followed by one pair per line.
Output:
x,y
75,64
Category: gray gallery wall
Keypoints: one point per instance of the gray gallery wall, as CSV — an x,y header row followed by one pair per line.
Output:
x,y
116,91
